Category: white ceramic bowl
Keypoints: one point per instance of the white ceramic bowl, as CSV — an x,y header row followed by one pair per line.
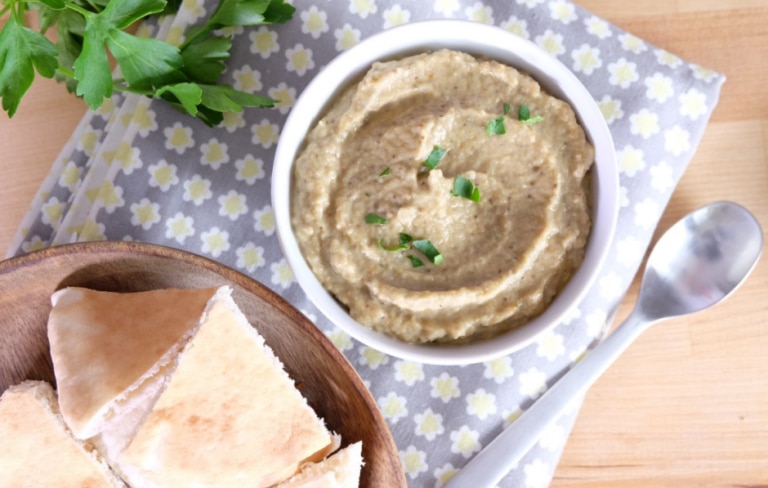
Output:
x,y
477,39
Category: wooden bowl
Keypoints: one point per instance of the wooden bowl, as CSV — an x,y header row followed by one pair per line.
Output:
x,y
326,379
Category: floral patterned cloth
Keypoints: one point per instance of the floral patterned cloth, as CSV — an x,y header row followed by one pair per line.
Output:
x,y
138,170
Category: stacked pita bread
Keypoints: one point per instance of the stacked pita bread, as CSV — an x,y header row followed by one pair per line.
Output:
x,y
176,389
37,449
342,470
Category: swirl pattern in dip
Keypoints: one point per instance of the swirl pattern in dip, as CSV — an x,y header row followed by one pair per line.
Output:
x,y
504,257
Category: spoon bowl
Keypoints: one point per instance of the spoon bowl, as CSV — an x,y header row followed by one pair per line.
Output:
x,y
699,261
696,264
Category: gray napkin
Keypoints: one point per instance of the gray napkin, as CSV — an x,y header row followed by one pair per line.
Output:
x,y
138,170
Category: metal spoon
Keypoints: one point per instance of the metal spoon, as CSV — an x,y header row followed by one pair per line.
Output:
x,y
697,263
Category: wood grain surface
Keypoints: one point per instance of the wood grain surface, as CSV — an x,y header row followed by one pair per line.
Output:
x,y
687,405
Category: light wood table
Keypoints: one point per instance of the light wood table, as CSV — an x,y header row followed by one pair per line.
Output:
x,y
687,405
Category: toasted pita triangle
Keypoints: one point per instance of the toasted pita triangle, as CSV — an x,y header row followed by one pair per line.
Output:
x,y
341,470
229,417
37,450
105,346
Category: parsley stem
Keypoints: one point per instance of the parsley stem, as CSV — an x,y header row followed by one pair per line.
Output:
x,y
17,12
193,35
66,72
77,8
5,9
93,6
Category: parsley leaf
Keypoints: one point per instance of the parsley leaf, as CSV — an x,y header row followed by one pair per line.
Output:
x,y
171,7
22,51
204,59
92,71
230,13
278,12
533,120
54,4
435,157
188,95
373,218
89,30
496,126
429,250
209,116
403,243
524,115
523,112
120,14
506,108
225,98
415,262
239,12
462,187
146,63
209,102
70,29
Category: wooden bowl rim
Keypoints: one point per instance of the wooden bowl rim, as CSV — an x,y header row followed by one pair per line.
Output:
x,y
133,249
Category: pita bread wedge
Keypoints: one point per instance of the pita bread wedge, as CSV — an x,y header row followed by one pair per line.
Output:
x,y
341,470
229,416
37,449
108,350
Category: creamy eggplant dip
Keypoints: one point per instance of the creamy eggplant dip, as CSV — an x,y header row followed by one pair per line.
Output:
x,y
443,197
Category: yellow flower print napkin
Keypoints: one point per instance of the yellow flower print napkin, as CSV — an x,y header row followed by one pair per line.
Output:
x,y
138,170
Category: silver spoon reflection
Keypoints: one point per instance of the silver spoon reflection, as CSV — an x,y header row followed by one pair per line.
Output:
x,y
696,264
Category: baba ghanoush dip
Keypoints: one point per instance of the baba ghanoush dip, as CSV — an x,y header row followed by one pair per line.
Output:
x,y
443,197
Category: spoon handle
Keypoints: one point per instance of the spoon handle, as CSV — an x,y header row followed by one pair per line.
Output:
x,y
491,464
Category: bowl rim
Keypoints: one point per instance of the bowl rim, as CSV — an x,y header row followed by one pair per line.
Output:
x,y
479,39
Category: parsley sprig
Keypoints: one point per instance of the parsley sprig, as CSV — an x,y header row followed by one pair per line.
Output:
x,y
186,76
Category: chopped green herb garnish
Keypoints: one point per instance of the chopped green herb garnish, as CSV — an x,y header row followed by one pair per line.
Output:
x,y
416,262
462,187
533,120
399,247
496,126
403,243
429,250
373,218
523,113
506,108
524,116
434,157
385,172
